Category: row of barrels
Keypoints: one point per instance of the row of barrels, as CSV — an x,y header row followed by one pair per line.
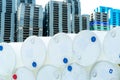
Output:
x,y
84,56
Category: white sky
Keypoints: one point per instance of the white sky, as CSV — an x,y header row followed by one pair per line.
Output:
x,y
87,6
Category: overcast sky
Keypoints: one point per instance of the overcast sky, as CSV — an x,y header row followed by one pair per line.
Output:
x,y
87,6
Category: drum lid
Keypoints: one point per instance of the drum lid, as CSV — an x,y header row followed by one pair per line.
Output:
x,y
59,50
86,48
105,71
33,53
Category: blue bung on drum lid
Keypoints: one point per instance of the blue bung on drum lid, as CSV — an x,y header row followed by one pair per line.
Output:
x,y
34,64
93,39
110,71
1,47
65,60
69,68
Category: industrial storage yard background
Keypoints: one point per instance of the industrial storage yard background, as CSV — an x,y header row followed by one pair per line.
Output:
x,y
58,42
20,19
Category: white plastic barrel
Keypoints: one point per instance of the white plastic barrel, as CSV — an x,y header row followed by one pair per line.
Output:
x,y
4,78
111,45
59,50
101,35
105,71
86,48
33,53
75,72
49,73
23,74
17,49
7,60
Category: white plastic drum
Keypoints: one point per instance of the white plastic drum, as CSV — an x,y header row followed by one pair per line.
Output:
x,y
17,48
105,71
75,72
59,50
49,73
4,78
33,53
7,59
101,35
86,48
23,74
112,45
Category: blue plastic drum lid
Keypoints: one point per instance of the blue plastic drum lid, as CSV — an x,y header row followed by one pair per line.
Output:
x,y
75,72
112,46
7,59
60,46
23,74
49,73
105,71
86,45
33,53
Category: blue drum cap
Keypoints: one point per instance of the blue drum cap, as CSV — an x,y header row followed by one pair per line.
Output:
x,y
1,48
93,39
111,71
69,68
65,60
34,64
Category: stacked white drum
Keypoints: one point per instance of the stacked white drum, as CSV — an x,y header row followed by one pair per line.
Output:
x,y
112,46
59,52
7,61
33,52
86,48
104,70
88,55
